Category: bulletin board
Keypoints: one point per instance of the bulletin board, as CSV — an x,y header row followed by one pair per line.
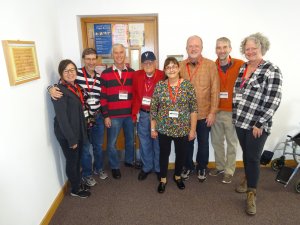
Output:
x,y
136,33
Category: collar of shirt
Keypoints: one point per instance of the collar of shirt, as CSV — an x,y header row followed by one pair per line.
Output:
x,y
119,71
194,63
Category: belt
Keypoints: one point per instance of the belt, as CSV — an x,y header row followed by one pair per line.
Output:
x,y
144,110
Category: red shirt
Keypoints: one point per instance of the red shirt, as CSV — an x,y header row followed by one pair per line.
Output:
x,y
143,86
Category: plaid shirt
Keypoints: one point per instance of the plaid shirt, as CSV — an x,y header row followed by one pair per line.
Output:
x,y
261,96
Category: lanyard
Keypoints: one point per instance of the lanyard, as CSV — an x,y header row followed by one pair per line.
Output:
x,y
118,78
86,81
243,78
244,74
76,91
195,71
151,81
223,75
173,98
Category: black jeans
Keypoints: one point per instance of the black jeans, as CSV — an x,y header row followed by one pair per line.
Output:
x,y
252,149
165,150
72,163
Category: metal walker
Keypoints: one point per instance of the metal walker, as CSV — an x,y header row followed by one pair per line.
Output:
x,y
291,146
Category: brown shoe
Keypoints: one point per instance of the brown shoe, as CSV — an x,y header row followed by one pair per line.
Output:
x,y
242,187
227,179
250,203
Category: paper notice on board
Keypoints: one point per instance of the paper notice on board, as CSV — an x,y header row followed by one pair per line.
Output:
x,y
136,34
120,34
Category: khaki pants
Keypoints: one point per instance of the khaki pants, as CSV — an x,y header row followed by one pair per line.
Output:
x,y
222,130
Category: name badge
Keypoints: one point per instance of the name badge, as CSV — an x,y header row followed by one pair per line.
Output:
x,y
86,113
239,96
123,95
223,94
173,114
91,101
146,101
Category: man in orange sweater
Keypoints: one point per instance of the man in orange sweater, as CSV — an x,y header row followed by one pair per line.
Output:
x,y
223,129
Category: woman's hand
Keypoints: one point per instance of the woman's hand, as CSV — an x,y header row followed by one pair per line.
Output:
x,y
257,132
74,147
192,135
154,134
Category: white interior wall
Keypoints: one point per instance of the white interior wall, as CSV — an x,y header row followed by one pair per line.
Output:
x,y
31,165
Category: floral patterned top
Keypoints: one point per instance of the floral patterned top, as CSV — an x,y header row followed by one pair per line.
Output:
x,y
185,104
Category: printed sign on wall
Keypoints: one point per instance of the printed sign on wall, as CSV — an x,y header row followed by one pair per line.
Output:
x,y
103,38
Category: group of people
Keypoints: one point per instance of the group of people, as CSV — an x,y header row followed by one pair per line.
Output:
x,y
230,99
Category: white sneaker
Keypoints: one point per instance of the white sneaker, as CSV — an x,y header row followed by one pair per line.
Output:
x,y
202,175
89,181
102,175
186,174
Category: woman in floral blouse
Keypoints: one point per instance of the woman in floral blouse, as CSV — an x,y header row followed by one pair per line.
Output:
x,y
173,118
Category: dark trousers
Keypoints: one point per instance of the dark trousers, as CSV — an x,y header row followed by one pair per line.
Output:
x,y
252,149
72,163
165,150
203,147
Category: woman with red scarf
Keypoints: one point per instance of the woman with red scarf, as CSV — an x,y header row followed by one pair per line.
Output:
x,y
70,125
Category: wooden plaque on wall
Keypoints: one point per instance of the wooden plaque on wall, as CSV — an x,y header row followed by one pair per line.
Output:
x,y
21,61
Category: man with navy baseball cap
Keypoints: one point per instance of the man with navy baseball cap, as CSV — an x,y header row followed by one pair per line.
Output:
x,y
143,87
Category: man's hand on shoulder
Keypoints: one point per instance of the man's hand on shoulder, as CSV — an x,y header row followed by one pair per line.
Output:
x,y
55,93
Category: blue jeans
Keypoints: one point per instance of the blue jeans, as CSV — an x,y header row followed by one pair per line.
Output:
x,y
203,147
112,135
149,147
95,134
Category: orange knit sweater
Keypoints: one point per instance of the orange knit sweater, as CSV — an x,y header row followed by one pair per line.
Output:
x,y
227,83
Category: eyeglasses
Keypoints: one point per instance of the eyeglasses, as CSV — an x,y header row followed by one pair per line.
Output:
x,y
251,49
90,59
174,67
70,71
148,63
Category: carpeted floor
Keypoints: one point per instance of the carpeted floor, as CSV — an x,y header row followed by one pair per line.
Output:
x,y
131,202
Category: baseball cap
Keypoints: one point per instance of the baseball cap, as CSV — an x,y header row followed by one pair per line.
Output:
x,y
148,56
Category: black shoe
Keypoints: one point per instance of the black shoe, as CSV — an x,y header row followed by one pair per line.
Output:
x,y
142,175
128,164
179,183
161,187
116,173
158,175
81,194
138,165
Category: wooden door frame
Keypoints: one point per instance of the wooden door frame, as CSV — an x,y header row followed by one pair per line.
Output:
x,y
120,19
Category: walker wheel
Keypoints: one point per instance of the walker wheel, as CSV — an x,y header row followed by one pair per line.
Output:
x,y
277,164
297,186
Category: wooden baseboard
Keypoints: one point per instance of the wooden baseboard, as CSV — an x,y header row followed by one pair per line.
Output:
x,y
240,164
55,204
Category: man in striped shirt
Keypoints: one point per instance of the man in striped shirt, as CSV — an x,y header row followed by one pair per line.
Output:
x,y
89,80
116,101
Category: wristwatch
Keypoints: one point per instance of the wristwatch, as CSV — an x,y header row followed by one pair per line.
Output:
x,y
153,129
